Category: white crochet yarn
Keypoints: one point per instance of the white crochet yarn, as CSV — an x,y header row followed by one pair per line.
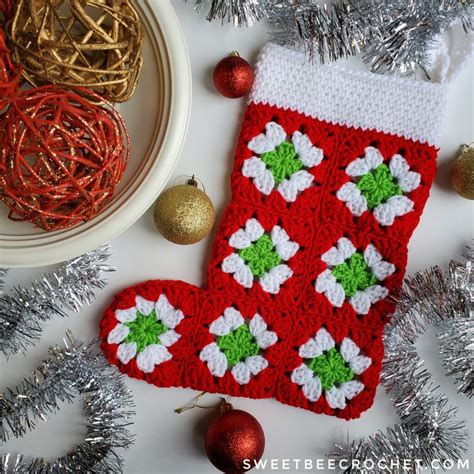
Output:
x,y
255,169
412,109
362,300
337,395
216,359
272,280
153,354
386,212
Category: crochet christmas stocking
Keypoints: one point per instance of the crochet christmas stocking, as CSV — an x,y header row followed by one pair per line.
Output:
x,y
332,171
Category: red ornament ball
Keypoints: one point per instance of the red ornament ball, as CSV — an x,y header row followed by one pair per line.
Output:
x,y
233,437
9,73
233,76
61,156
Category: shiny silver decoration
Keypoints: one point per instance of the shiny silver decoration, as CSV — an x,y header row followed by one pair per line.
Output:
x,y
429,427
394,36
73,370
237,12
3,276
24,311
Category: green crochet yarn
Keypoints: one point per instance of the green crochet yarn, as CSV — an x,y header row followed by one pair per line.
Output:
x,y
260,256
145,330
378,186
331,369
238,345
354,274
282,161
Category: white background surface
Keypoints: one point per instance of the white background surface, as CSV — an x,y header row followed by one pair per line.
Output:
x,y
170,443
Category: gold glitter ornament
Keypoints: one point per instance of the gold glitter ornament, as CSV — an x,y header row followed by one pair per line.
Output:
x,y
184,214
462,173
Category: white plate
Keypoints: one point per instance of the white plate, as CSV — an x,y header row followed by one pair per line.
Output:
x,y
157,118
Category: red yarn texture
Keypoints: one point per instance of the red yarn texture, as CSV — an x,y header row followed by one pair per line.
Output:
x,y
316,220
62,156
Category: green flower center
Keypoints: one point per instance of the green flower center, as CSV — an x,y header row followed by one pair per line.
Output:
x,y
378,186
238,345
331,369
282,161
354,274
260,256
145,330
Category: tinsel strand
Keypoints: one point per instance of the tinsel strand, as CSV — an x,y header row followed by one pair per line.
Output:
x,y
429,426
76,369
237,12
24,311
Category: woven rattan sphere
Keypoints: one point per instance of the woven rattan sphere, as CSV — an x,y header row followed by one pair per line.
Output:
x,y
91,43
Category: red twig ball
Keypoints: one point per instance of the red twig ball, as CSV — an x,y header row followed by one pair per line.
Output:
x,y
9,73
61,157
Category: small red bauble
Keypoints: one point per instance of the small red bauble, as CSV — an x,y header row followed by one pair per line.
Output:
x,y
62,156
233,437
233,76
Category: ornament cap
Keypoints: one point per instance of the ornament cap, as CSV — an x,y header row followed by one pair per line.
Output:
x,y
226,406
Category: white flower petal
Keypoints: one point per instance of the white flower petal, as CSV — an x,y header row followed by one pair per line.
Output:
x,y
232,263
373,158
301,374
398,166
215,358
336,295
348,191
126,315
376,293
372,255
325,281
288,190
118,334
163,305
382,269
275,133
273,279
144,306
233,318
287,250
409,181
312,389
152,355
126,352
354,199
346,248
265,182
169,338
358,167
257,325
298,182
254,229
332,257
360,302
244,277
395,206
220,327
324,340
310,349
241,373
351,389
336,398
360,364
349,349
279,235
171,318
266,339
240,240
253,167
307,153
256,364
261,144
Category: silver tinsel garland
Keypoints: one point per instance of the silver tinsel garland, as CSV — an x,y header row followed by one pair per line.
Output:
x,y
394,36
429,426
24,311
74,370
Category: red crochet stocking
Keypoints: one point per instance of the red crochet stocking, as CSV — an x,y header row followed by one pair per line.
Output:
x,y
332,170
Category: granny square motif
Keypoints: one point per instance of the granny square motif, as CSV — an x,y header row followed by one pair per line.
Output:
x,y
332,171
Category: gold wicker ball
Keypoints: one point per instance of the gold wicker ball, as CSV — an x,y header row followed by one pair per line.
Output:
x,y
90,43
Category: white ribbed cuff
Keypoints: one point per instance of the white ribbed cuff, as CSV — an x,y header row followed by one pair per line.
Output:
x,y
405,107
